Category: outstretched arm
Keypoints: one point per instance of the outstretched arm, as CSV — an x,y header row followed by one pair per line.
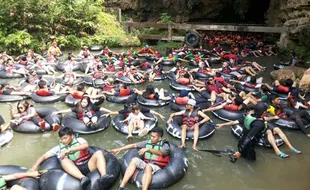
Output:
x,y
116,151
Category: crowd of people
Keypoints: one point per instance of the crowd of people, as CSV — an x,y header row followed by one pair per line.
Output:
x,y
223,83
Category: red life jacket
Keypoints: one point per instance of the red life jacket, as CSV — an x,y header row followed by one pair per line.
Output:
x,y
106,52
98,74
283,89
124,92
250,85
108,87
83,113
184,81
214,88
154,159
78,94
182,100
43,92
226,70
225,56
220,80
144,65
151,97
190,119
231,107
111,68
157,72
279,112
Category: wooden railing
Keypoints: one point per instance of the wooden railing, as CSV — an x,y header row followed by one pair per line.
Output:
x,y
188,27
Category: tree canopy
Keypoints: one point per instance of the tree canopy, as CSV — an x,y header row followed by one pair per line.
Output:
x,y
73,23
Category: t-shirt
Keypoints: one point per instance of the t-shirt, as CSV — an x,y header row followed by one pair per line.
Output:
x,y
165,149
133,116
56,150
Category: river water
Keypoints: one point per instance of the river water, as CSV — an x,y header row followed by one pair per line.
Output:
x,y
205,171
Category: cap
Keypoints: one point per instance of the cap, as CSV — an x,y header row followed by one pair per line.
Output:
x,y
260,108
191,102
183,93
146,46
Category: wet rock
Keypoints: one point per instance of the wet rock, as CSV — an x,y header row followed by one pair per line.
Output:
x,y
287,73
304,83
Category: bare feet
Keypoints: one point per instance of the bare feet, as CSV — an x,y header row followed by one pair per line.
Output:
x,y
195,149
181,146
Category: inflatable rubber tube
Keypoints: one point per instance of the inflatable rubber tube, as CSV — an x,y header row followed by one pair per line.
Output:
x,y
202,76
290,124
44,112
56,178
282,96
167,63
175,130
95,48
61,66
48,99
241,87
5,137
227,115
97,83
70,101
176,86
150,58
41,71
160,77
123,127
6,75
135,62
12,98
121,99
148,102
70,120
164,178
127,80
176,107
171,75
28,183
192,39
228,76
263,141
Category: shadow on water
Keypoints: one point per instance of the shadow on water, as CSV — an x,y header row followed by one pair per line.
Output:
x,y
206,171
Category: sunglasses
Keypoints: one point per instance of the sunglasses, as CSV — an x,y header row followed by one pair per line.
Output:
x,y
20,107
210,79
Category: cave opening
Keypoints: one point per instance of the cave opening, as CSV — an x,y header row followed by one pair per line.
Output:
x,y
253,12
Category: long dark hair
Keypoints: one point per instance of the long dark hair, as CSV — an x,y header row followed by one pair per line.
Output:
x,y
24,103
148,91
79,107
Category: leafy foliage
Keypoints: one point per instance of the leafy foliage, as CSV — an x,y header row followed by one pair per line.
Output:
x,y
73,23
165,18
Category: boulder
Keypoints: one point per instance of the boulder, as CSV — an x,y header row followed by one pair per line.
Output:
x,y
287,73
304,83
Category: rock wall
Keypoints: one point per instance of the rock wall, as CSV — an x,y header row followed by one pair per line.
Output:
x,y
294,15
180,10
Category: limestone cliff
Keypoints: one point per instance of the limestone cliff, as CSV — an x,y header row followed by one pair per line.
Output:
x,y
294,15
